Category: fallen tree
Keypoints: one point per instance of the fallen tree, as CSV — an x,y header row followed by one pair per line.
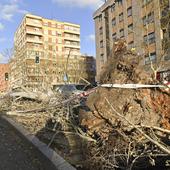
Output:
x,y
116,128
131,125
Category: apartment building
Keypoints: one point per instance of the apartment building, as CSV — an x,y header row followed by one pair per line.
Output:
x,y
46,53
138,23
4,77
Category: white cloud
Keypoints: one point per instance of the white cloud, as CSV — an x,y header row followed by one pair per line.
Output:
x,y
2,40
1,26
7,11
94,4
91,37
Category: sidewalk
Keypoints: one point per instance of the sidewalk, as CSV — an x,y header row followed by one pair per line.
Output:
x,y
18,154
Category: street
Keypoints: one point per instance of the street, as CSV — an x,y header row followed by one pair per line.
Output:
x,y
16,153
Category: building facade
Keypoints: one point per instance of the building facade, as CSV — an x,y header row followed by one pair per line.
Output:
x,y
4,77
138,23
46,51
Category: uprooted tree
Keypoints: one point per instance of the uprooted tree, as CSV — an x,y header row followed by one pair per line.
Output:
x,y
116,128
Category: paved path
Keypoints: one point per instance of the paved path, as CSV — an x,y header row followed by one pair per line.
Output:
x,y
16,153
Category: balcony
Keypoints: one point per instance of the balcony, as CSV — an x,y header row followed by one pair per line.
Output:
x,y
72,53
72,38
35,23
72,46
35,48
72,31
34,40
34,32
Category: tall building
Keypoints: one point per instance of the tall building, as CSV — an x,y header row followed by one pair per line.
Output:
x,y
139,24
4,77
47,52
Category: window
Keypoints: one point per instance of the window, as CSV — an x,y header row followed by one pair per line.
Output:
x,y
150,58
166,58
120,2
100,18
113,8
131,45
153,56
36,53
151,37
144,20
145,39
59,34
101,44
121,33
113,21
36,29
150,17
147,60
129,11
102,58
101,30
114,36
37,38
144,2
165,11
130,28
37,21
121,17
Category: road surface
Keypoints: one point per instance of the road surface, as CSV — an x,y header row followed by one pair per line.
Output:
x,y
16,153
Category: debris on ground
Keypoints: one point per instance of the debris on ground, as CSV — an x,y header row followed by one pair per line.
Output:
x,y
114,128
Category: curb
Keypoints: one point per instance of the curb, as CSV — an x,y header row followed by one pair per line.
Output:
x,y
56,159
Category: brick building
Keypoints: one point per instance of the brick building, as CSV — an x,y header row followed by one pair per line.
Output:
x,y
4,77
138,22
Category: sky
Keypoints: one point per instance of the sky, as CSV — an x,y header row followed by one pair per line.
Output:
x,y
75,11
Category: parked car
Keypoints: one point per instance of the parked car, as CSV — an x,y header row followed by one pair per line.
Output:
x,y
67,89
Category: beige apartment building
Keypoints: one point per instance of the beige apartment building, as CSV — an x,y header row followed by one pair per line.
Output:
x,y
47,52
138,22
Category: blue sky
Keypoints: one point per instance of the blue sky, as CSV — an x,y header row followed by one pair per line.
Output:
x,y
76,11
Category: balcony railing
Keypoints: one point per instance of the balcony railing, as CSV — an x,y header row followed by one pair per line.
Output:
x,y
34,40
72,31
35,32
72,38
33,23
72,46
